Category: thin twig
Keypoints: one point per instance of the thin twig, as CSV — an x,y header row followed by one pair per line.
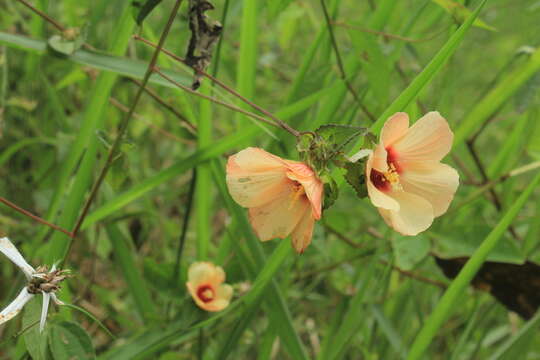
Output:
x,y
340,63
230,90
46,17
35,217
415,276
214,100
485,180
376,234
125,109
387,35
185,224
184,121
125,121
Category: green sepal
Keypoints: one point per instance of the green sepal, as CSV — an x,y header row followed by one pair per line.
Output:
x,y
355,176
331,190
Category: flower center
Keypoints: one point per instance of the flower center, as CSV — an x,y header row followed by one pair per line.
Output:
x,y
388,179
297,192
205,293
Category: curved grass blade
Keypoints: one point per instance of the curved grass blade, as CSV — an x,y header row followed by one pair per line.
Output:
x,y
450,299
425,77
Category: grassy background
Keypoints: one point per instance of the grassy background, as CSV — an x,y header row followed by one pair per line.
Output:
x,y
344,297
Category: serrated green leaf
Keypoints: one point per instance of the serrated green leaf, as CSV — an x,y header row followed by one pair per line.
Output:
x,y
141,9
356,177
337,136
69,341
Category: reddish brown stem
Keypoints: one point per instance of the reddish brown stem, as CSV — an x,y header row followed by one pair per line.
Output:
x,y
35,217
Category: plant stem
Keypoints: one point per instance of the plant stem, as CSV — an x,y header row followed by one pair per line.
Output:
x,y
278,122
35,217
125,122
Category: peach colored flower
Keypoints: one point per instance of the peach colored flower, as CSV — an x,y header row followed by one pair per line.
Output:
x,y
206,287
283,196
406,180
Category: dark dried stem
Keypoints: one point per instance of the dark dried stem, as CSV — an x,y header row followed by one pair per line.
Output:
x,y
125,121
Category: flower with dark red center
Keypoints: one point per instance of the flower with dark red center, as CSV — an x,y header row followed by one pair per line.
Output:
x,y
206,287
407,182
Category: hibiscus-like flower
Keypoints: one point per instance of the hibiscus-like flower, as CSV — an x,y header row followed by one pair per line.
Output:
x,y
283,196
40,281
206,287
406,180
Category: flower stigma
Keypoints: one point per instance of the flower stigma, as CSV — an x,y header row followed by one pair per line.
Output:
x,y
205,293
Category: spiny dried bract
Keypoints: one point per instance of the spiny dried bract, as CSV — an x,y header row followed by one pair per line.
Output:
x,y
44,281
40,281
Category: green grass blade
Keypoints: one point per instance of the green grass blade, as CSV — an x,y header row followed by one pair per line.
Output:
x,y
202,155
496,97
113,63
93,120
253,297
123,255
278,312
203,195
425,77
390,331
518,344
449,301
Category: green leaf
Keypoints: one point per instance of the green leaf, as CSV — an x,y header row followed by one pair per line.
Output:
x,y
463,241
69,341
36,342
63,45
460,13
141,9
410,250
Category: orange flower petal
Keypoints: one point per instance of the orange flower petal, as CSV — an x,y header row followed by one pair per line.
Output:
x,y
254,177
302,233
279,217
430,138
395,128
312,185
433,181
